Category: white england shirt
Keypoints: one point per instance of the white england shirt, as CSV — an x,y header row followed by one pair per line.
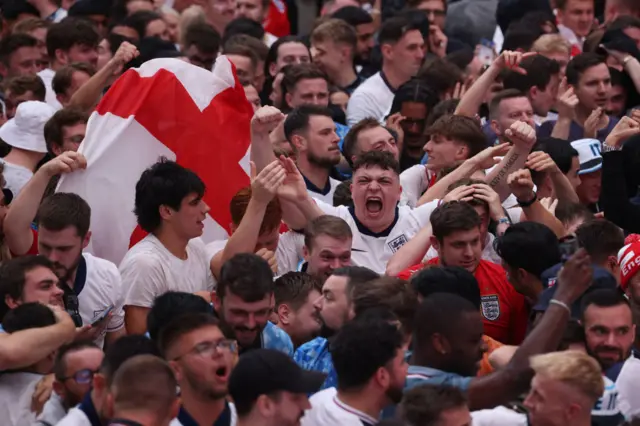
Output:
x,y
373,98
373,250
149,270
415,181
323,194
328,410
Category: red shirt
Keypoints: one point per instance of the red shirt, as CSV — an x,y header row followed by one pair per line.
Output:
x,y
504,310
277,21
34,245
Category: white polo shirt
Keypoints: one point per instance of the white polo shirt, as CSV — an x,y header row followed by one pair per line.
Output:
x,y
373,250
328,410
373,98
149,270
98,286
16,390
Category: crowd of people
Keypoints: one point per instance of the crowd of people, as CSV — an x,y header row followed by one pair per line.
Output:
x,y
441,229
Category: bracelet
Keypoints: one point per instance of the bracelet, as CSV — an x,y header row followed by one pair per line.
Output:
x,y
559,303
608,148
504,221
528,203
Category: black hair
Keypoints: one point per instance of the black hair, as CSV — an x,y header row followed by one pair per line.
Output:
x,y
243,26
447,107
560,151
393,29
353,15
424,404
203,36
539,69
60,364
171,305
581,63
69,32
447,279
603,298
440,313
360,348
356,275
600,238
452,217
179,326
10,44
27,316
139,21
166,183
381,159
298,119
530,246
63,209
13,275
247,276
520,37
415,90
123,349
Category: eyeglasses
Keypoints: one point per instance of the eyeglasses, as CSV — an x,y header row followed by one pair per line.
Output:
x,y
207,349
82,377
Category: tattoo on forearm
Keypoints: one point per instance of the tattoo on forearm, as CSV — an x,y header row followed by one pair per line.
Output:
x,y
505,169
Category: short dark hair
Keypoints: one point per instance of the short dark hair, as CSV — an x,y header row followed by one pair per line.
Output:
x,y
539,69
520,37
63,209
69,32
13,274
293,289
441,74
461,129
242,50
247,276
166,183
353,15
600,238
293,74
60,363
446,107
332,226
560,151
297,120
203,36
171,305
351,138
27,316
53,129
603,298
243,40
356,276
10,44
581,63
383,160
360,348
503,95
452,217
63,79
181,325
123,349
447,279
417,91
626,21
393,29
389,293
274,49
243,25
140,19
439,313
530,246
567,212
22,84
424,404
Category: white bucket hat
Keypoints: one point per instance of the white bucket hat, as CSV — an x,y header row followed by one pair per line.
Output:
x,y
26,129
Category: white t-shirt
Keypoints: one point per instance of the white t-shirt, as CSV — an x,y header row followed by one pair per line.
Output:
x,y
102,289
288,253
372,250
47,75
75,417
373,98
149,270
415,181
499,416
16,177
328,410
323,194
16,390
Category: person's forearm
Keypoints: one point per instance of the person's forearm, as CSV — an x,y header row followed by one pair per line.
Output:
x,y
411,253
470,103
632,67
497,178
439,190
17,223
537,213
563,188
27,347
88,95
562,128
245,237
309,209
261,151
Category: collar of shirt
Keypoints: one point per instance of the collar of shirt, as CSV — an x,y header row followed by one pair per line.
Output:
x,y
224,419
366,231
311,187
123,422
87,407
420,372
364,417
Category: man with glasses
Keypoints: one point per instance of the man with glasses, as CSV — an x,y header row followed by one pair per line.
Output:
x,y
74,367
202,359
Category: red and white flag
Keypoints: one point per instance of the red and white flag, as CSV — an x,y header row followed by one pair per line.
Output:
x,y
169,108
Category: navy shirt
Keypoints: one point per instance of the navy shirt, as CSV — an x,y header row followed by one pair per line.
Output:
x,y
576,132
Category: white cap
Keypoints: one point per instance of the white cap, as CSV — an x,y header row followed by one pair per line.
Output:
x,y
588,154
26,129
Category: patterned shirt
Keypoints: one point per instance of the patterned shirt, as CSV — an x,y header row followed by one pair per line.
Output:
x,y
277,339
315,356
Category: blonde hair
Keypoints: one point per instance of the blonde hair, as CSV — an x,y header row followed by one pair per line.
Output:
x,y
335,30
191,15
549,43
574,368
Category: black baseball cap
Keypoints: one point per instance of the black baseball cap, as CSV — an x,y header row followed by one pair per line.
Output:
x,y
264,371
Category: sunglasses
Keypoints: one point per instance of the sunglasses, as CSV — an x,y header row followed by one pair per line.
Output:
x,y
82,377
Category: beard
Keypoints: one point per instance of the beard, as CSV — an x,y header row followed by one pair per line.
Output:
x,y
64,274
326,331
607,363
324,162
395,393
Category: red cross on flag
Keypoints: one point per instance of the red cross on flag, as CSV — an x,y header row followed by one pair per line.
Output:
x,y
169,108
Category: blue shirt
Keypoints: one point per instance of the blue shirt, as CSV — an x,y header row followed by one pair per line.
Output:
x,y
417,375
224,419
315,356
277,339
